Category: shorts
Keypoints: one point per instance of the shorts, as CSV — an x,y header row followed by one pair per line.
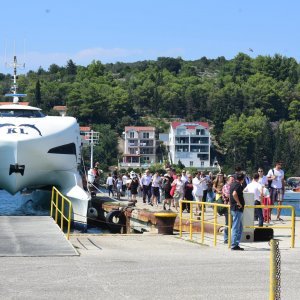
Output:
x,y
197,197
155,191
178,196
276,195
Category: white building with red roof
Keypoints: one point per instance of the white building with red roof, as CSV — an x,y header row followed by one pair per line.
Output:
x,y
190,143
139,147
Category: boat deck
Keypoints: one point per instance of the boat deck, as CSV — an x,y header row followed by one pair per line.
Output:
x,y
32,236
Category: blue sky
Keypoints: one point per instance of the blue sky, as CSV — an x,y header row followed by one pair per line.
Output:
x,y
54,31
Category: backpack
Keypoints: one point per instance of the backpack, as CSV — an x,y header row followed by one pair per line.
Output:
x,y
270,181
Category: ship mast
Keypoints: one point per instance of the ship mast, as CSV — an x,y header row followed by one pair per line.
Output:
x,y
14,87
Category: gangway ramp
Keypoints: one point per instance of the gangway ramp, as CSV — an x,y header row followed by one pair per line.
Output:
x,y
32,236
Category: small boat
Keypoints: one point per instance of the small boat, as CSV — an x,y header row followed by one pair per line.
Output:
x,y
292,192
38,152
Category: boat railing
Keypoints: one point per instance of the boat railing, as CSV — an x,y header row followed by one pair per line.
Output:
x,y
58,204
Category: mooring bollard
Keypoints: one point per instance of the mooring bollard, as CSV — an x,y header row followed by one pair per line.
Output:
x,y
165,222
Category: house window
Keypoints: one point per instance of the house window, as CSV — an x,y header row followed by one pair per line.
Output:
x,y
202,163
131,135
191,163
146,135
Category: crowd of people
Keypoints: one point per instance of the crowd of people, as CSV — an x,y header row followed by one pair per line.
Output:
x,y
165,189
169,188
270,186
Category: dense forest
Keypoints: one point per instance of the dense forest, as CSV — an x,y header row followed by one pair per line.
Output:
x,y
251,104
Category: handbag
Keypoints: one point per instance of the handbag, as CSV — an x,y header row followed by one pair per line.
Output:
x,y
172,191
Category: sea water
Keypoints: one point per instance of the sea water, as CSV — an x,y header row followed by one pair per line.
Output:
x,y
287,212
19,205
22,205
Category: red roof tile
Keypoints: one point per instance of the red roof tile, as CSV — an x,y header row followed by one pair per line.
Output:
x,y
139,128
85,128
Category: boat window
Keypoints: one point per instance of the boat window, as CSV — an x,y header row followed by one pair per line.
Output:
x,y
24,113
64,149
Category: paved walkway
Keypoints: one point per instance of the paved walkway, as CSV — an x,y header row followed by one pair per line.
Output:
x,y
32,236
147,267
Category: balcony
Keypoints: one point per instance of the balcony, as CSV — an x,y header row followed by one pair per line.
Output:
x,y
129,165
132,144
200,140
182,155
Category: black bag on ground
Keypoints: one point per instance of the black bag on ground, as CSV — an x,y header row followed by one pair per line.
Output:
x,y
263,234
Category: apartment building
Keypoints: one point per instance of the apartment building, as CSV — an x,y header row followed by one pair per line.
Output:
x,y
190,143
139,147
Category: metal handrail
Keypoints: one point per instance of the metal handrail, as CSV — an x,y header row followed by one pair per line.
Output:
x,y
292,227
60,209
202,221
215,223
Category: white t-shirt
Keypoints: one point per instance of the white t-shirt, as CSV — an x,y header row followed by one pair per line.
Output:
x,y
109,180
279,176
204,181
179,185
263,180
184,178
255,188
156,181
197,187
124,179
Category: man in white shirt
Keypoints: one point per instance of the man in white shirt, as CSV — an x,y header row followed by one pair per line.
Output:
x,y
110,183
197,191
256,188
124,181
276,175
146,186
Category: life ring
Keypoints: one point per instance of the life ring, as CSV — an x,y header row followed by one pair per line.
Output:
x,y
115,220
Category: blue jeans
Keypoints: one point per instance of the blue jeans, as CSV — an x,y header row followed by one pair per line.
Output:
x,y
237,227
226,229
259,214
210,196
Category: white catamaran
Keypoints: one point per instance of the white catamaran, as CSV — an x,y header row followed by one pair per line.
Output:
x,y
39,151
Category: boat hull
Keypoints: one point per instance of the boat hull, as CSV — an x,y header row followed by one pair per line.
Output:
x,y
37,153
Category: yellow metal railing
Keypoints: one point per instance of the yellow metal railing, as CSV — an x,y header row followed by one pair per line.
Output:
x,y
292,226
215,223
203,221
58,201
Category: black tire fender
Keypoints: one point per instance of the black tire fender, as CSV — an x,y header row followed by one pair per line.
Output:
x,y
115,220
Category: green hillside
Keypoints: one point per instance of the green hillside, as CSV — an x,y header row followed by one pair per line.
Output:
x,y
252,104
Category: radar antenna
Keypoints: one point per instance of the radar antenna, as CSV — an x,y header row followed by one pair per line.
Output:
x,y
14,86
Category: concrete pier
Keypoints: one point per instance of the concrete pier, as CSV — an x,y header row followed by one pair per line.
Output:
x,y
32,236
